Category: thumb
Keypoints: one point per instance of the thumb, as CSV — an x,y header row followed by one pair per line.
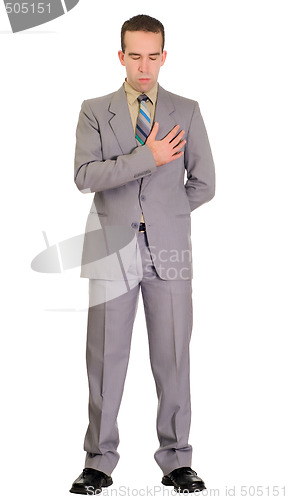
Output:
x,y
154,131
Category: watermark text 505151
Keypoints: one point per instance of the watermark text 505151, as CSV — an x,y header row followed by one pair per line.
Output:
x,y
26,8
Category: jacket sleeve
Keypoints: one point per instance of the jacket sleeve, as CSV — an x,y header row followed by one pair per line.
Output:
x,y
91,172
199,163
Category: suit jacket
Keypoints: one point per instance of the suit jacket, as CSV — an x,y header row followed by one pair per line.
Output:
x,y
126,182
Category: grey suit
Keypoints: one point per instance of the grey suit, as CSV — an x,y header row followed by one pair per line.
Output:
x,y
126,182
109,163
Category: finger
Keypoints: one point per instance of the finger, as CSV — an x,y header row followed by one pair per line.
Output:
x,y
177,139
177,155
172,133
154,131
179,145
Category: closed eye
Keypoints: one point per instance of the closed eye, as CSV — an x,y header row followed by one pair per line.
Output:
x,y
136,57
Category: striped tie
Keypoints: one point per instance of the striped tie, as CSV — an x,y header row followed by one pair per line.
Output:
x,y
143,124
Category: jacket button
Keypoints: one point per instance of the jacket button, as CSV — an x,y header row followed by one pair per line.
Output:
x,y
142,197
134,225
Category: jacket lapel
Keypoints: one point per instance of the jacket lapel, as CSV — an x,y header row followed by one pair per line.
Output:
x,y
163,113
120,121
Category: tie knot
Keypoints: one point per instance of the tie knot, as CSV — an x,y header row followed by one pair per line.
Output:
x,y
142,97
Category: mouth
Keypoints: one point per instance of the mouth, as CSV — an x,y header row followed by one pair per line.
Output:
x,y
144,79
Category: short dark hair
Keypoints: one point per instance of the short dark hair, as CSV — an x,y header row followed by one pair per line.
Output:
x,y
142,23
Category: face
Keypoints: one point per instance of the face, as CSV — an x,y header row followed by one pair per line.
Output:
x,y
142,58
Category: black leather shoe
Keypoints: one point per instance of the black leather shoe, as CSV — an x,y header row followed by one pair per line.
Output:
x,y
90,482
184,479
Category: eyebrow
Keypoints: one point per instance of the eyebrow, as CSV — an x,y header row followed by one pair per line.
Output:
x,y
135,54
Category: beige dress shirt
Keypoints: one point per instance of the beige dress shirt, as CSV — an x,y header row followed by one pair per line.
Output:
x,y
133,105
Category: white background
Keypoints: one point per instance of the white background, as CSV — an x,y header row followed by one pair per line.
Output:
x,y
232,57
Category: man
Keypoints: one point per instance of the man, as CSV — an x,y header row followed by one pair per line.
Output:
x,y
133,148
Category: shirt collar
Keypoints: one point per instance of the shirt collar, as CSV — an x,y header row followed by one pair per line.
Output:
x,y
133,94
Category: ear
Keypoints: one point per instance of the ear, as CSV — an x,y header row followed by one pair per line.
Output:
x,y
121,57
164,55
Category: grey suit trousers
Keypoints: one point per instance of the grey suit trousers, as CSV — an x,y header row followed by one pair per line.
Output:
x,y
169,320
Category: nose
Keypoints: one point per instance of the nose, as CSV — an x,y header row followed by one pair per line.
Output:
x,y
143,65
